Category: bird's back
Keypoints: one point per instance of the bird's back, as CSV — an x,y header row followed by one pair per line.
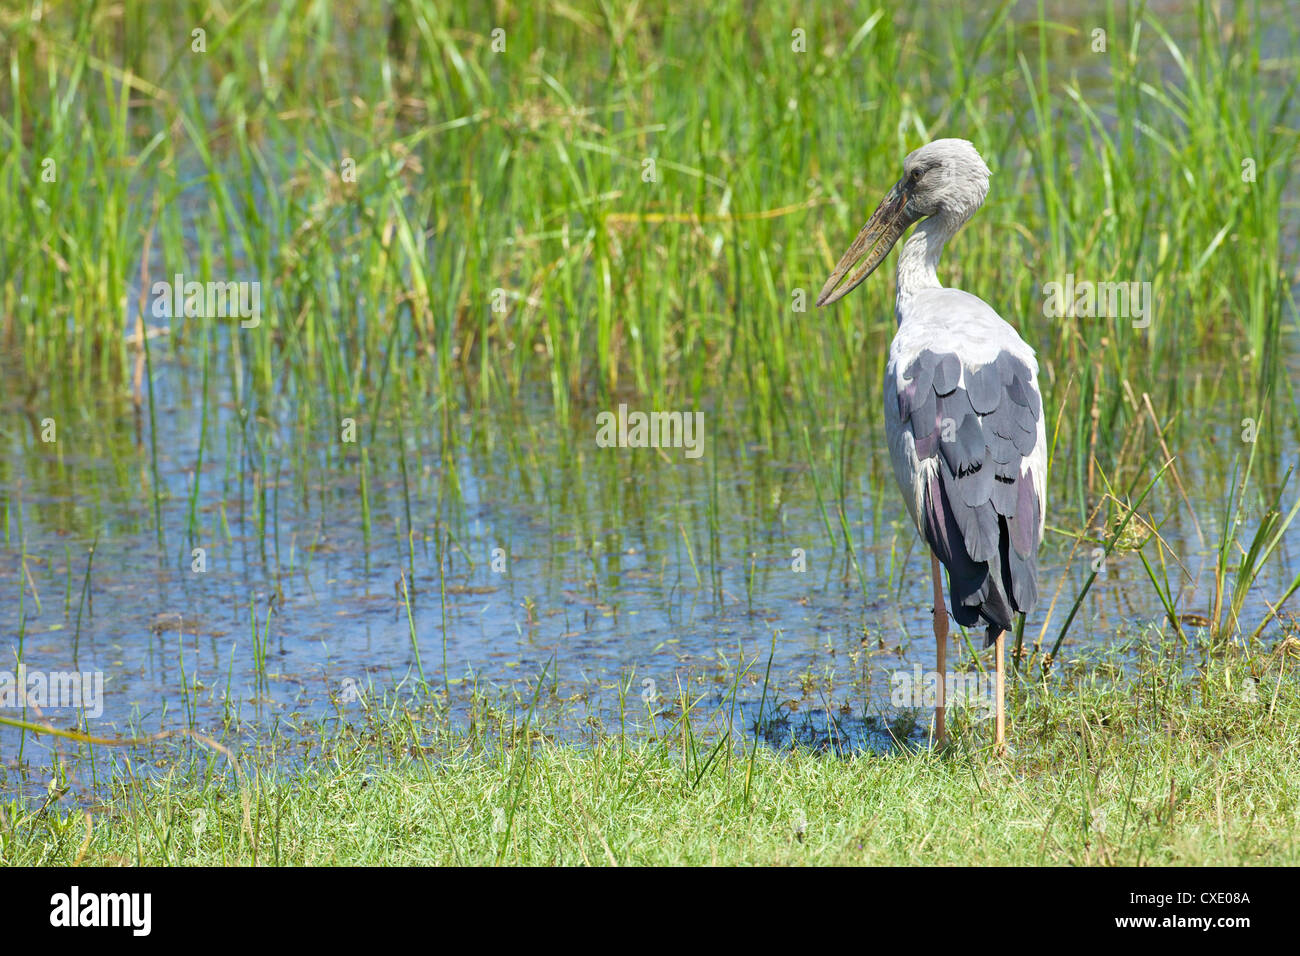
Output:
x,y
964,422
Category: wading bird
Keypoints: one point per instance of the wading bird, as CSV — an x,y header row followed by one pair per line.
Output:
x,y
963,415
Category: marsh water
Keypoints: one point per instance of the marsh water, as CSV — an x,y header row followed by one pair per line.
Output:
x,y
502,554
631,578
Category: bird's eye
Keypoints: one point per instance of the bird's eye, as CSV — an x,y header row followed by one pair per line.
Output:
x,y
916,175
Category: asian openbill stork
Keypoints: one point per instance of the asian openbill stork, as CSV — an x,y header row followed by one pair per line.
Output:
x,y
963,414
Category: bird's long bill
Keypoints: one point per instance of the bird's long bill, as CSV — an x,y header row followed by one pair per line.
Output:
x,y
874,241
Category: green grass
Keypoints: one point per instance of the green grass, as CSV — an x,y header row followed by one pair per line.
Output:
x,y
500,231
1163,762
502,267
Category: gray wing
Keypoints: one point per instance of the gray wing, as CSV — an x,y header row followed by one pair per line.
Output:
x,y
978,427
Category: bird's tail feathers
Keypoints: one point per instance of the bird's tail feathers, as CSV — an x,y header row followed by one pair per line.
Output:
x,y
990,591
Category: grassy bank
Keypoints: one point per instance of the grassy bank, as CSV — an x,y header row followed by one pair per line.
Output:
x,y
1161,762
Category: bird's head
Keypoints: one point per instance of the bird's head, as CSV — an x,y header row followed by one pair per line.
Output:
x,y
944,178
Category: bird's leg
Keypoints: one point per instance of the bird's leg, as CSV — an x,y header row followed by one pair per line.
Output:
x,y
1000,720
940,649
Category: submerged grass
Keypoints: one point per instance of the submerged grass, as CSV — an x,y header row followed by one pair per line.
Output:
x,y
572,200
603,202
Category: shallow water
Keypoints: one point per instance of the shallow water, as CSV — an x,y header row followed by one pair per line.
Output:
x,y
631,578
